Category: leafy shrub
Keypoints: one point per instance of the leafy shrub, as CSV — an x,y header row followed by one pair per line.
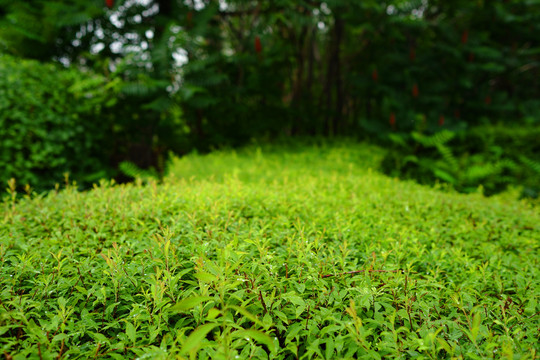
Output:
x,y
493,157
264,253
50,123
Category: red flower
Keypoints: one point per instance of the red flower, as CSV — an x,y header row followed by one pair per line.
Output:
x,y
392,119
412,54
415,91
465,37
441,120
109,3
375,75
258,45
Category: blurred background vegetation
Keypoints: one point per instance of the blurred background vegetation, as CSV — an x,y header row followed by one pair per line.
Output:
x,y
101,88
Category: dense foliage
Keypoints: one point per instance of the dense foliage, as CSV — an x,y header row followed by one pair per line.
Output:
x,y
265,253
492,157
309,67
51,121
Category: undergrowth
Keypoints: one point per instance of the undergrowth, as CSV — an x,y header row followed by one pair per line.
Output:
x,y
271,254
495,157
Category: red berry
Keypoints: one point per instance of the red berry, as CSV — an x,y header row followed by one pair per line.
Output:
x,y
109,3
487,100
441,120
258,45
392,119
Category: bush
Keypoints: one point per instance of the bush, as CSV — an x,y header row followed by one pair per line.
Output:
x,y
270,254
50,123
493,157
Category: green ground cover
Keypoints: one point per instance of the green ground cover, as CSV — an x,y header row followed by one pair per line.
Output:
x,y
299,252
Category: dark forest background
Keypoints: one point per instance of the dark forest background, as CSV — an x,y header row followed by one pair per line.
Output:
x,y
110,88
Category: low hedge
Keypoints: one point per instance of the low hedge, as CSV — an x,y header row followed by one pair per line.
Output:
x,y
270,253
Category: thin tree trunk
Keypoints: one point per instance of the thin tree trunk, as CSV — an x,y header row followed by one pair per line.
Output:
x,y
338,33
327,90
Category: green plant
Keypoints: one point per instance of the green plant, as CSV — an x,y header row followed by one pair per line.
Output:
x,y
134,172
492,157
269,252
51,123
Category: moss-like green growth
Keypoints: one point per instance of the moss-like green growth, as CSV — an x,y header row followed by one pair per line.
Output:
x,y
270,253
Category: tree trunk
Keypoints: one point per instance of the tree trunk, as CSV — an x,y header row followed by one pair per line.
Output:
x,y
338,36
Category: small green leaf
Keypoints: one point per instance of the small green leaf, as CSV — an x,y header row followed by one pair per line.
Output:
x,y
98,337
205,277
296,300
196,337
131,332
257,336
213,313
189,303
281,316
247,314
59,337
329,352
477,318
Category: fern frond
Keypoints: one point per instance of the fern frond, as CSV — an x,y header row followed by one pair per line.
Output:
x,y
478,172
448,156
507,164
440,138
532,164
130,169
